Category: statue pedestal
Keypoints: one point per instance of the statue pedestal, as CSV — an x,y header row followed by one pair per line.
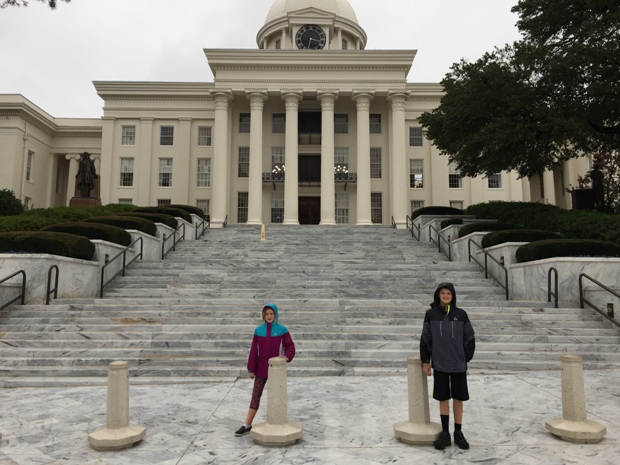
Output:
x,y
84,202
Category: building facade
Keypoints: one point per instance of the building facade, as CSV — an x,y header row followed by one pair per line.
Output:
x,y
308,128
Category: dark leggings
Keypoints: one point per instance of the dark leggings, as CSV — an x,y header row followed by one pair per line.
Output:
x,y
257,392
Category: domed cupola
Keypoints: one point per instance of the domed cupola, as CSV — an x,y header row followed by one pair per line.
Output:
x,y
311,25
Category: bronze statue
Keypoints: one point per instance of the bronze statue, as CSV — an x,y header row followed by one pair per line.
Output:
x,y
596,175
85,178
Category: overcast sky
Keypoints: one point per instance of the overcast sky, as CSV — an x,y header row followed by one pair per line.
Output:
x,y
52,57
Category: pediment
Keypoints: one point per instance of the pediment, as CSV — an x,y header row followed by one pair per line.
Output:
x,y
311,14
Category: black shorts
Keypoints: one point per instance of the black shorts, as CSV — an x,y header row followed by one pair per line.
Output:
x,y
450,386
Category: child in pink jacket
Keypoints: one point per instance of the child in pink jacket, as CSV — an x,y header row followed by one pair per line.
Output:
x,y
271,339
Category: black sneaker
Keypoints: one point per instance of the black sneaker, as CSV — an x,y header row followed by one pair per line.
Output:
x,y
443,441
460,440
243,430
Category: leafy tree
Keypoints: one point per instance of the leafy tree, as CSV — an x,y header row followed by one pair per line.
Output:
x,y
609,164
5,3
9,204
551,96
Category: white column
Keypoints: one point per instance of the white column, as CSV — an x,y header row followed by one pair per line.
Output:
x,y
106,174
328,183
549,180
145,166
291,158
398,161
74,165
181,173
362,101
286,43
219,199
338,45
255,182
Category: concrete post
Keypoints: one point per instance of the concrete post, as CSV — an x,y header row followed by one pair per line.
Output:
x,y
277,431
574,425
418,430
118,432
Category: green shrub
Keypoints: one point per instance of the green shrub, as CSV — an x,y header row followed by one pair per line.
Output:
x,y
154,217
24,223
486,226
436,211
550,248
9,204
176,212
104,232
54,243
517,235
126,222
191,209
450,222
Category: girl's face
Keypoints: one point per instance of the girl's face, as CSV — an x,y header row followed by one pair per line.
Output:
x,y
445,296
269,315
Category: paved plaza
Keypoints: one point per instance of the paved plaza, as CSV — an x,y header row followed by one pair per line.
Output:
x,y
346,420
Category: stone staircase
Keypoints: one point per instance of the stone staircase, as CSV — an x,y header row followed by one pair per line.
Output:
x,y
353,298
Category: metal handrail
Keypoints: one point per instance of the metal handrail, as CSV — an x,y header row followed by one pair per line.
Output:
x,y
49,284
583,300
22,296
175,241
486,265
225,222
393,223
125,264
438,242
549,292
413,228
202,225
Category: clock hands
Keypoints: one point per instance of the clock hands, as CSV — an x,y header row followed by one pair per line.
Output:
x,y
310,41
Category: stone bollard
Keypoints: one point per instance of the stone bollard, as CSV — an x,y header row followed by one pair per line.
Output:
x,y
418,430
574,425
277,431
118,432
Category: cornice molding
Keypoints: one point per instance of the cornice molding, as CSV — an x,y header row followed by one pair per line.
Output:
x,y
150,109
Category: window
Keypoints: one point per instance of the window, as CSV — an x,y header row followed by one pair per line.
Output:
x,y
341,157
204,136
375,123
204,204
163,202
29,164
416,174
28,203
277,207
495,181
456,204
165,172
203,173
125,201
376,207
416,205
454,178
278,123
243,170
244,122
242,207
375,163
342,208
277,157
128,135
345,44
166,135
126,172
415,137
341,123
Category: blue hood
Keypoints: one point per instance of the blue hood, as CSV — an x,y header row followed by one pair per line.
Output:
x,y
276,328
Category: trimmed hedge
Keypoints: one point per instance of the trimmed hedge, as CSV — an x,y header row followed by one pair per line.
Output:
x,y
436,211
154,217
450,222
517,235
54,243
550,248
167,211
191,209
126,222
104,232
486,226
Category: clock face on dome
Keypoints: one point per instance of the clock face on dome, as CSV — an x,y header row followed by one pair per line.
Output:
x,y
310,37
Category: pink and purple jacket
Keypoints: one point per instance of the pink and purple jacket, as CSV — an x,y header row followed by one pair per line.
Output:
x,y
270,340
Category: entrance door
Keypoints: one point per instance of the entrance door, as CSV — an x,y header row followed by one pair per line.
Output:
x,y
309,168
309,210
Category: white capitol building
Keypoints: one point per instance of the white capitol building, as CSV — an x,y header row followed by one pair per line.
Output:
x,y
308,128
